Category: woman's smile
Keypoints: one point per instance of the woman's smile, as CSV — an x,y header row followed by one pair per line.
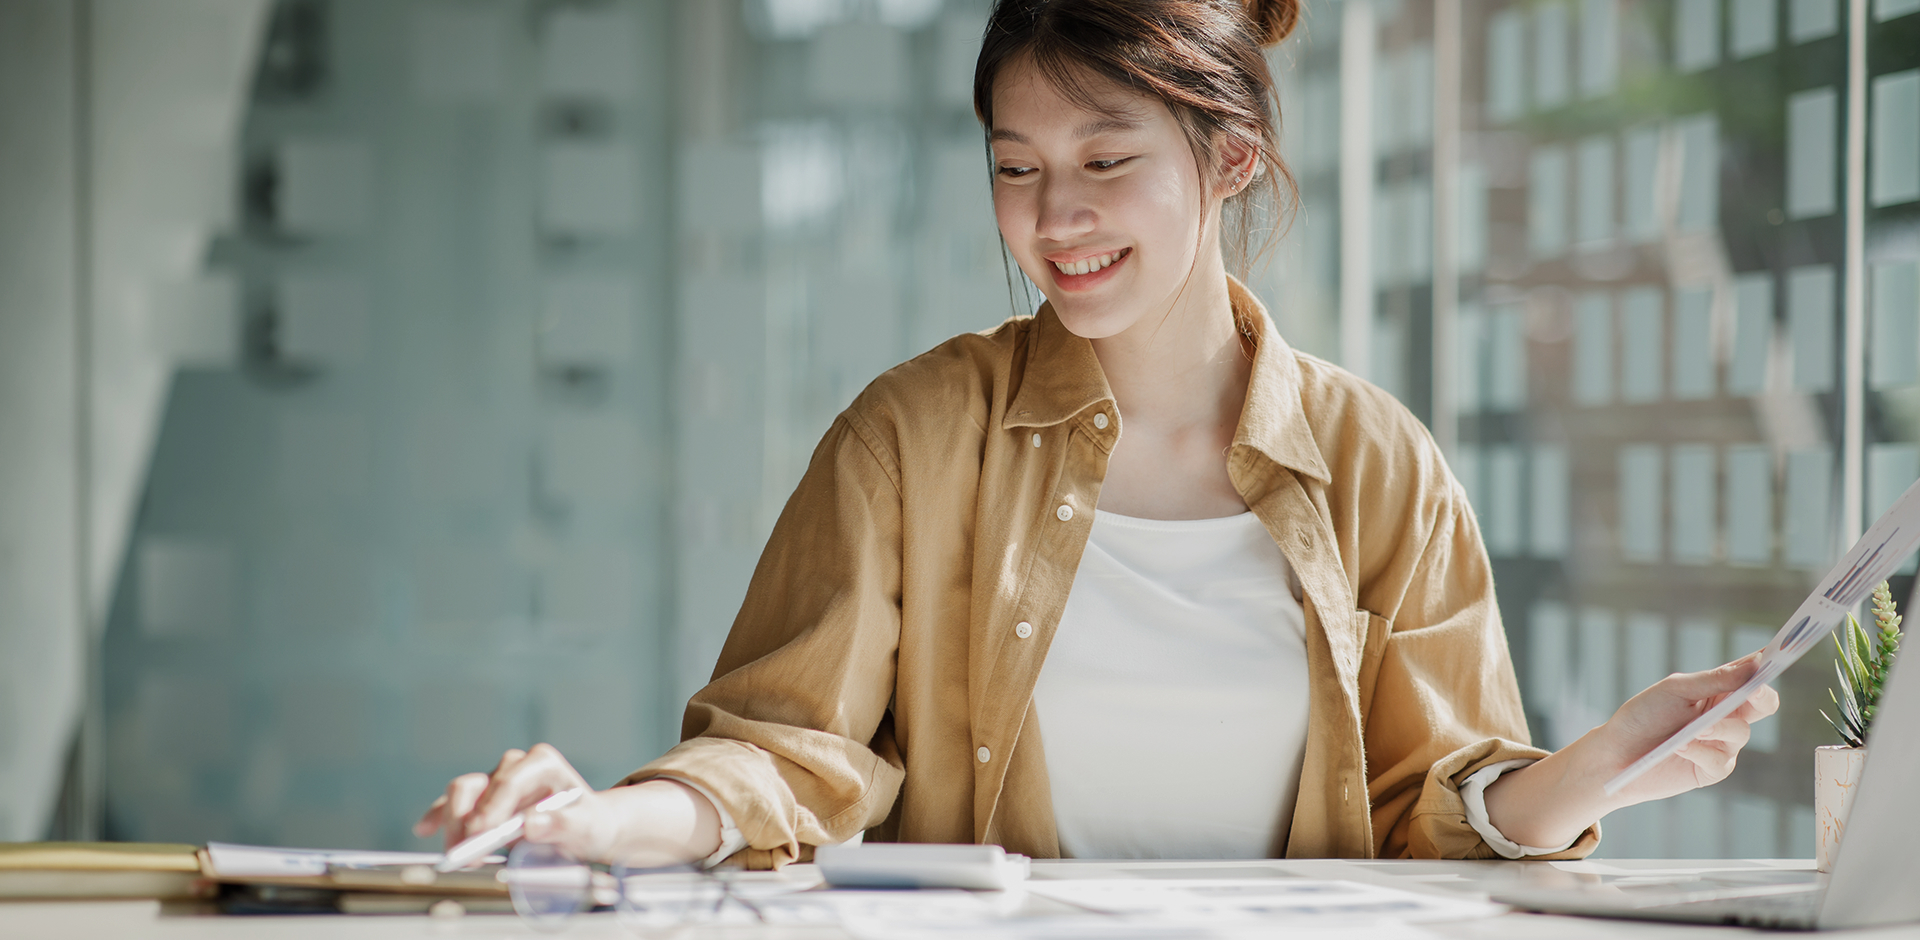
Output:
x,y
1078,271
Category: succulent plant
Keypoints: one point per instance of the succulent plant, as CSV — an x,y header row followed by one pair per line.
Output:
x,y
1863,668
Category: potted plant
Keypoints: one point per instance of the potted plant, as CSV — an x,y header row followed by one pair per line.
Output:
x,y
1862,667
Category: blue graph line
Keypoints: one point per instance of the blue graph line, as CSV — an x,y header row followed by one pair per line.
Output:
x,y
1800,630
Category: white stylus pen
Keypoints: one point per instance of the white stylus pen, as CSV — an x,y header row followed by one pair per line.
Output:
x,y
475,848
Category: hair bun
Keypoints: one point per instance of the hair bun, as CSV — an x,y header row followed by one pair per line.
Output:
x,y
1273,20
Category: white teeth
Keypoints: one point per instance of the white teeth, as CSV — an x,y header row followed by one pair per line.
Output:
x,y
1086,266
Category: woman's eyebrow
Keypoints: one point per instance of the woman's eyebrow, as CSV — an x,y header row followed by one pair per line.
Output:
x,y
1093,128
1104,126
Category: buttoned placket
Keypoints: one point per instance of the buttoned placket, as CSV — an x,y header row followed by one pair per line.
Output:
x,y
1330,598
1085,438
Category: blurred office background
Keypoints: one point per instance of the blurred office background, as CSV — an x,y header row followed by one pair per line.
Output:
x,y
385,384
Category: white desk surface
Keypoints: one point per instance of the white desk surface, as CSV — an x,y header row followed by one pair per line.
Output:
x,y
141,919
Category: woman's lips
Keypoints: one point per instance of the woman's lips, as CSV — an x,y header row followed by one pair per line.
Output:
x,y
1091,279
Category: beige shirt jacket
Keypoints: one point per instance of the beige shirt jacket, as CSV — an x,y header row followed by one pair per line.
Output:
x,y
880,673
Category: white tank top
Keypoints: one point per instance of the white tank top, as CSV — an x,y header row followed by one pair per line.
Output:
x,y
1173,701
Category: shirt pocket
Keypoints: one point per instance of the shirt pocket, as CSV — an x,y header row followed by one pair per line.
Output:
x,y
1373,631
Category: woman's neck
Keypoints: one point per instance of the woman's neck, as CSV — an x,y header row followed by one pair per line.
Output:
x,y
1186,370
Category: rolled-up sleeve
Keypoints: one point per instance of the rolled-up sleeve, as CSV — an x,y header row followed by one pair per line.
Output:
x,y
1444,700
792,735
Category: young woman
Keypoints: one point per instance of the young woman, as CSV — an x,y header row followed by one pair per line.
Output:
x,y
1128,577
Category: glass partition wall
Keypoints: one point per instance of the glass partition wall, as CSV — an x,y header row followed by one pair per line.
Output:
x,y
1657,444
539,308
1663,358
420,513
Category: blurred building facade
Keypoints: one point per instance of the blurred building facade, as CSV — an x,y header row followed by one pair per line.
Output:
x,y
518,319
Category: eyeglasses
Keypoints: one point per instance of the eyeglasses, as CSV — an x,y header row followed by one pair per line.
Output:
x,y
548,887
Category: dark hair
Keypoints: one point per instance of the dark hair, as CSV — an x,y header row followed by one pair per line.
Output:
x,y
1201,58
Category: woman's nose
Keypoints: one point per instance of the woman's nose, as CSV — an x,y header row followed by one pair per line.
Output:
x,y
1065,211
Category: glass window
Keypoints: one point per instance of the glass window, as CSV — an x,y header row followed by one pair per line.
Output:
x,y
1812,148
1699,339
1895,126
526,321
1696,31
1809,20
1753,27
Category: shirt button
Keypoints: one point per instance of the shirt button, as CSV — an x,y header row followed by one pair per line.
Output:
x,y
1023,629
1036,439
1100,420
984,754
1065,512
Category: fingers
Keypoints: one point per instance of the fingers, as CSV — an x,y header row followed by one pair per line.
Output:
x,y
477,802
1764,701
1711,683
1713,760
512,756
571,829
513,785
1730,731
522,779
1715,752
449,810
430,820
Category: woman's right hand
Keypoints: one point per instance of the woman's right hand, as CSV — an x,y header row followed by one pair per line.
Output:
x,y
656,822
477,802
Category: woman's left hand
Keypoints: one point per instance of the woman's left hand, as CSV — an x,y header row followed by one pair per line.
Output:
x,y
1550,802
1665,707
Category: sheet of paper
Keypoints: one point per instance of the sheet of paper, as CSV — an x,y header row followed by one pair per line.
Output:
x,y
259,861
1878,554
840,906
1131,909
1262,898
794,905
1120,928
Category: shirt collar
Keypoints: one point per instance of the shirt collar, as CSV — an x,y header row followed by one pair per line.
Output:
x,y
1061,378
1274,419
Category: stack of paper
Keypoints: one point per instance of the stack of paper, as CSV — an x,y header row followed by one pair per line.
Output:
x,y
235,862
349,881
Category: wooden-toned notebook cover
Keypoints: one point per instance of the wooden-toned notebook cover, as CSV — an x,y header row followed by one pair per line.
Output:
x,y
56,884
99,856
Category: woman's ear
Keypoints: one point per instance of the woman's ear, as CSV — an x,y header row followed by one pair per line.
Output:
x,y
1239,163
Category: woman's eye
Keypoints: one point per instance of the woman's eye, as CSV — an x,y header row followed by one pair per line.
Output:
x,y
1106,164
1014,172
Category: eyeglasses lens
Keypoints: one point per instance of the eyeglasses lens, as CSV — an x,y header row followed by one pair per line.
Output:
x,y
658,901
547,887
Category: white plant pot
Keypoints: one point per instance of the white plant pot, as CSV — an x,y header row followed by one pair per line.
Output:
x,y
1836,774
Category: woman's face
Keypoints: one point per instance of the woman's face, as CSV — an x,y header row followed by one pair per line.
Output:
x,y
1102,209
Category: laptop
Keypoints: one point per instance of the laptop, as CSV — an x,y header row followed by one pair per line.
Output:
x,y
1875,879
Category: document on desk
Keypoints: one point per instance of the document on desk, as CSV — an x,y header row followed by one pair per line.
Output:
x,y
259,861
1095,928
1878,554
1228,899
1129,909
892,907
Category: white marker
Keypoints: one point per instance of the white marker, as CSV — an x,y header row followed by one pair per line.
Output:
x,y
475,848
